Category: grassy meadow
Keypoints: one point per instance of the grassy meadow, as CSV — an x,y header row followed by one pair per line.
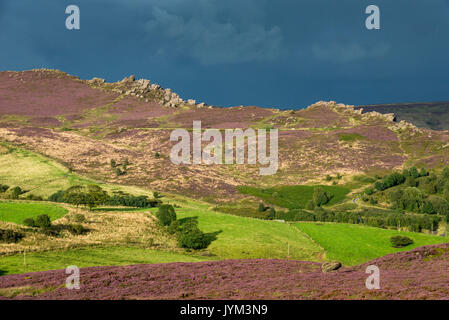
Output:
x,y
16,212
250,238
41,176
355,244
90,257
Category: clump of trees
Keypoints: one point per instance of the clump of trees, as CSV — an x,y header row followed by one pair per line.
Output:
x,y
188,233
368,217
120,168
42,221
93,195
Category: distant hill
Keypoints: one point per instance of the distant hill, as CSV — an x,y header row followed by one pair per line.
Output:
x,y
430,115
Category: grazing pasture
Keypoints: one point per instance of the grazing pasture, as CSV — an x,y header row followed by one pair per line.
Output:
x,y
250,238
355,244
89,257
16,212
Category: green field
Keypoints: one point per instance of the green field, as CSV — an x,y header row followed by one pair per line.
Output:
x,y
249,238
42,176
293,197
16,212
355,244
89,257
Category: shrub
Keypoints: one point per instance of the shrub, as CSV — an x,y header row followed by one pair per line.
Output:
x,y
33,197
29,222
400,241
173,227
414,172
43,221
13,193
9,236
271,214
261,207
310,205
57,196
78,217
328,178
3,188
166,214
369,191
76,229
380,186
192,237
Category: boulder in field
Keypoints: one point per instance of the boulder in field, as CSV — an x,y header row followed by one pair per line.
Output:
x,y
330,266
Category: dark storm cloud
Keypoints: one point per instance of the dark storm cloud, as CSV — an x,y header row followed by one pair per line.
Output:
x,y
280,53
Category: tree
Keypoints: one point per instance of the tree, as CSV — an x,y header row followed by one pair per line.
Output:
x,y
262,207
396,197
380,186
320,197
113,163
423,172
125,164
157,195
428,208
95,196
440,205
191,237
43,221
414,172
412,199
75,195
166,214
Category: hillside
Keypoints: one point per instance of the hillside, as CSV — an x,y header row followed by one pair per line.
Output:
x,y
83,124
430,115
415,274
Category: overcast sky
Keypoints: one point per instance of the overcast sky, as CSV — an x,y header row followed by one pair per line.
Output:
x,y
283,53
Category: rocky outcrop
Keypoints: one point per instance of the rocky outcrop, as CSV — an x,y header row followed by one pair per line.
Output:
x,y
144,89
330,266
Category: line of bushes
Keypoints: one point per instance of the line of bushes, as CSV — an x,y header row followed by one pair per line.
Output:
x,y
413,222
93,195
